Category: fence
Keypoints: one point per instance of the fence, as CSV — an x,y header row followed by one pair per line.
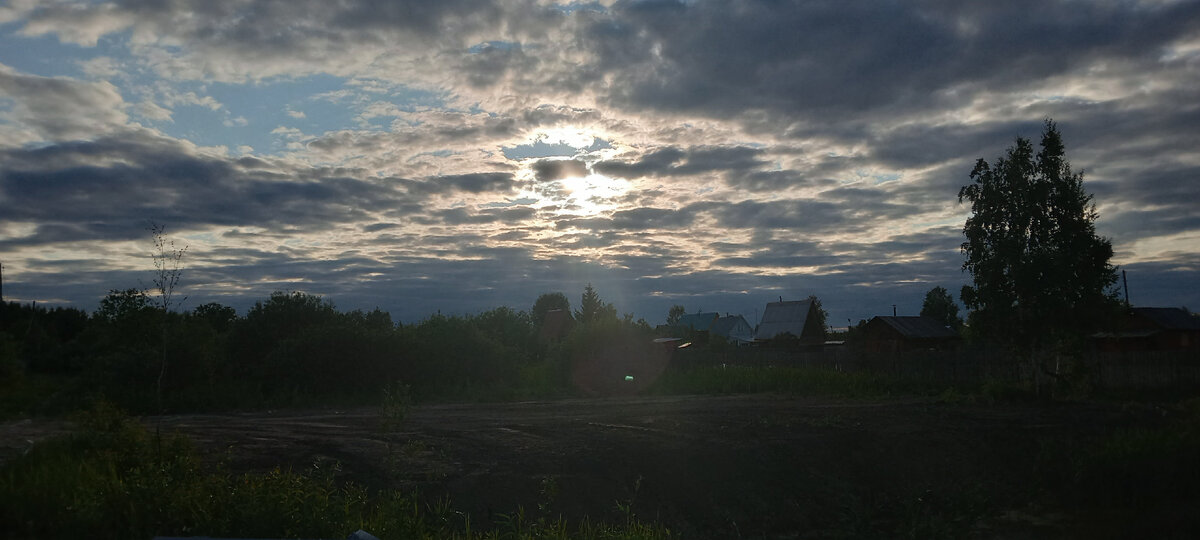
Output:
x,y
1151,369
1115,370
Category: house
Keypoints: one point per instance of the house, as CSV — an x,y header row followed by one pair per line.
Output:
x,y
733,328
697,322
795,317
555,325
1152,329
899,334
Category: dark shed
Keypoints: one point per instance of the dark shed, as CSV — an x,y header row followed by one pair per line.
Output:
x,y
898,334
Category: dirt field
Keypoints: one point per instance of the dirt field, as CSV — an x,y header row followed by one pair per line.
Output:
x,y
708,467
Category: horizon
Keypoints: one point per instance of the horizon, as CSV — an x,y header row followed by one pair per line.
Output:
x,y
471,155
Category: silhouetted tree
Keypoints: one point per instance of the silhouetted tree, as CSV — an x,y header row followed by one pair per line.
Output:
x,y
167,272
940,305
117,304
217,316
257,341
857,333
548,302
592,308
674,314
1041,276
821,315
40,336
123,349
506,325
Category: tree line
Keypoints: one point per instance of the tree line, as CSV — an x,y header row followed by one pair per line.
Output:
x,y
293,348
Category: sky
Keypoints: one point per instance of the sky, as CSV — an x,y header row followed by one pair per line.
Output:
x,y
462,155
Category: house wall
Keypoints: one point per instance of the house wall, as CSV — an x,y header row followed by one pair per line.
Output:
x,y
881,337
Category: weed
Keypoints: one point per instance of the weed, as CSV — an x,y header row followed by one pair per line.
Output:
x,y
397,402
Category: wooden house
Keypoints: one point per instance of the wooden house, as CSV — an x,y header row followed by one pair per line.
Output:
x,y
734,329
1152,329
795,318
900,334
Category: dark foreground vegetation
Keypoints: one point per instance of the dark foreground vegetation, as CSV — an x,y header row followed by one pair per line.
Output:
x,y
960,466
115,479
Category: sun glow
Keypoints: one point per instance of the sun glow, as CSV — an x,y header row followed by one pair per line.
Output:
x,y
593,193
569,136
557,164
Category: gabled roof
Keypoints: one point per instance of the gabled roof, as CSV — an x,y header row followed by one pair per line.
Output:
x,y
733,326
783,318
919,327
1168,318
698,321
726,324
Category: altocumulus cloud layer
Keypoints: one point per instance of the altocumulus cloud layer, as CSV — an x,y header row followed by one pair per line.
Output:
x,y
461,155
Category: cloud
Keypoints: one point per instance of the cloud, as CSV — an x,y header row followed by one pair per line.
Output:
x,y
461,216
761,148
107,188
826,61
546,170
231,41
174,98
734,162
78,24
468,183
151,111
55,108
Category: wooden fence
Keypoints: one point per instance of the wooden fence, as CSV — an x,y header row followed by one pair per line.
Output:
x,y
1114,370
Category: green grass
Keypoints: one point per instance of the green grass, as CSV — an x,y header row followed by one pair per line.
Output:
x,y
114,479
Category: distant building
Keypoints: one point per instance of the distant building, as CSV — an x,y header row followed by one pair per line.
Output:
x,y
1152,329
734,329
555,325
898,334
796,318
697,322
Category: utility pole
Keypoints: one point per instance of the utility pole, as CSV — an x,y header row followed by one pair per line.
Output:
x,y
2,283
893,310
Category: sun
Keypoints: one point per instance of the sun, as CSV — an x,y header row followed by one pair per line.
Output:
x,y
593,194
557,164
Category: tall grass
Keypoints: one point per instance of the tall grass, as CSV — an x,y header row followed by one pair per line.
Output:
x,y
113,479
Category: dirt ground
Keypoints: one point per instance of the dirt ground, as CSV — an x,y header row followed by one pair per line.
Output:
x,y
708,467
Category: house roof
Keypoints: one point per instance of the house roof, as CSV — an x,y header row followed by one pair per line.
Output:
x,y
783,318
1168,318
725,324
919,327
698,321
728,325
